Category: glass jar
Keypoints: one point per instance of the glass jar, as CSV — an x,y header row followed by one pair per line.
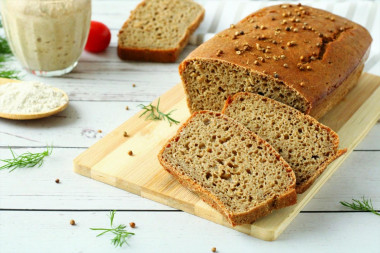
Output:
x,y
47,36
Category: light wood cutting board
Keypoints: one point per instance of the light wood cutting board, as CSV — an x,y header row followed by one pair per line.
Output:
x,y
108,160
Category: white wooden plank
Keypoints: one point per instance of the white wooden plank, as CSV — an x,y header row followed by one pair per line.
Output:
x,y
77,126
181,232
35,188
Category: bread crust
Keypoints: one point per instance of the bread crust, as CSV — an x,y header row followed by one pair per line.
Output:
x,y
337,46
286,199
157,54
301,188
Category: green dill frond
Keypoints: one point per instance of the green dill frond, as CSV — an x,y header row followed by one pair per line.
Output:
x,y
153,113
121,234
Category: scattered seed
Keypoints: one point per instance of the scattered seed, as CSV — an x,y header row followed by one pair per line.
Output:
x,y
257,26
100,131
287,28
72,222
282,56
262,37
57,180
241,33
213,249
238,52
256,63
263,27
312,58
130,153
234,37
295,30
332,18
127,108
341,29
308,67
132,224
275,75
302,58
125,134
232,26
133,85
286,65
219,53
274,42
318,44
284,22
291,43
302,84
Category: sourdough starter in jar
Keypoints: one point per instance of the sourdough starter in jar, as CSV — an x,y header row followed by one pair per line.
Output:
x,y
47,36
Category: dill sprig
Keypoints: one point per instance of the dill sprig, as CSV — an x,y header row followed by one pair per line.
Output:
x,y
4,46
5,54
121,234
26,160
153,113
361,205
11,74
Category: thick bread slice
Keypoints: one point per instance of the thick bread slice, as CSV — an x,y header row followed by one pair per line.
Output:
x,y
229,167
307,145
158,30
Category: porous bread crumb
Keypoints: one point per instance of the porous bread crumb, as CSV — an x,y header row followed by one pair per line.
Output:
x,y
157,30
303,142
228,166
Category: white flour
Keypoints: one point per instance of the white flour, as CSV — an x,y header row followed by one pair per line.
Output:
x,y
29,98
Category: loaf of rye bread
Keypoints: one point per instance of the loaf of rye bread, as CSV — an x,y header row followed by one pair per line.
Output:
x,y
305,144
301,56
158,30
229,167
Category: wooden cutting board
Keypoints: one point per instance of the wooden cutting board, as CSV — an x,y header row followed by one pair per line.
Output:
x,y
108,160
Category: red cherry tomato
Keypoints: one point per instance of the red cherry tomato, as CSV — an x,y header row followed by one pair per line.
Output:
x,y
99,37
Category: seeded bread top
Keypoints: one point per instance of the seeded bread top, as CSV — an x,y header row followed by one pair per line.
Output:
x,y
308,49
159,24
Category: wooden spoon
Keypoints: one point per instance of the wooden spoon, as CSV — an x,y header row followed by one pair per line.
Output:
x,y
34,115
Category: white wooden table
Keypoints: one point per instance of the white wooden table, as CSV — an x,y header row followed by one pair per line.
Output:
x,y
35,211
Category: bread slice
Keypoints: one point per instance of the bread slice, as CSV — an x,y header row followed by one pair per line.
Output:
x,y
158,30
307,145
229,167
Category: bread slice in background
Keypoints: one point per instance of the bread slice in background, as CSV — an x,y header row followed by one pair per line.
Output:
x,y
158,30
229,167
305,144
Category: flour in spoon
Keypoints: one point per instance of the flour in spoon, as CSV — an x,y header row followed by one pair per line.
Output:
x,y
29,98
